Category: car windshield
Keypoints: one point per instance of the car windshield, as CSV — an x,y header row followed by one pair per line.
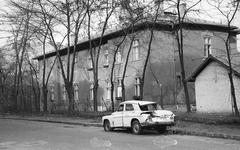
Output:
x,y
150,107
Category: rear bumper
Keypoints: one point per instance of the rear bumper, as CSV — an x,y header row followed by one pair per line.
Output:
x,y
150,124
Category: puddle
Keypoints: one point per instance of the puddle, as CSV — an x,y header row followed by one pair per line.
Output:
x,y
164,141
14,145
95,142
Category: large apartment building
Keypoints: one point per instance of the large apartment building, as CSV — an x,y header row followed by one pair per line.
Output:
x,y
163,74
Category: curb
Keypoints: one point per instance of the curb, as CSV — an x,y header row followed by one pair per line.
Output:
x,y
62,122
205,134
170,131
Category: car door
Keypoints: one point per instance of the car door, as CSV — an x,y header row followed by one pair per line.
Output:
x,y
118,116
128,115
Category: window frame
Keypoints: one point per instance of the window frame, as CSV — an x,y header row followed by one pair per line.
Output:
x,y
64,93
52,95
108,89
120,106
106,59
76,96
135,50
91,95
207,50
118,57
119,87
132,109
90,64
137,88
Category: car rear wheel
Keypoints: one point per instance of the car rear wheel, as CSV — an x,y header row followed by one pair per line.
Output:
x,y
107,126
161,129
136,127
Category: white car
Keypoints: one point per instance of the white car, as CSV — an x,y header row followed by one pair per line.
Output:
x,y
137,115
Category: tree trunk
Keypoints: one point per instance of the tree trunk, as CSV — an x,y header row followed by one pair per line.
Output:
x,y
95,89
123,91
45,93
70,91
233,94
112,98
186,92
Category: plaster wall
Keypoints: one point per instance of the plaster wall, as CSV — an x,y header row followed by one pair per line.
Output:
x,y
213,90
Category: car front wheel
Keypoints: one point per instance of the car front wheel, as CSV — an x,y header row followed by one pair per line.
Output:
x,y
107,126
136,127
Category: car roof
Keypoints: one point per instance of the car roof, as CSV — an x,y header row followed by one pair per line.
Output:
x,y
137,102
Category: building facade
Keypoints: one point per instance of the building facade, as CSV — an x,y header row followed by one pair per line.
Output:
x,y
163,74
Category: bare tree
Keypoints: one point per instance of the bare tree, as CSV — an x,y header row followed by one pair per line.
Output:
x,y
69,15
115,51
133,15
149,48
228,10
19,21
179,29
35,84
107,7
6,71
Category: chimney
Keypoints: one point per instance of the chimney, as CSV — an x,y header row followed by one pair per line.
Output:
x,y
182,9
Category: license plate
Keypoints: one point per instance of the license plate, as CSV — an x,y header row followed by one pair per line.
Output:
x,y
162,118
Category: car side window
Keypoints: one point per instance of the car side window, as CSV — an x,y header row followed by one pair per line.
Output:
x,y
120,108
129,107
144,108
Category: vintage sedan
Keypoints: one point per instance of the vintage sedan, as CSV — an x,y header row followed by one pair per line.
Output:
x,y
137,115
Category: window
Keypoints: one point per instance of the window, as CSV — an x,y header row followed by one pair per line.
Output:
x,y
135,50
52,92
150,107
76,59
90,65
106,59
119,87
120,108
64,95
129,107
179,80
75,91
63,61
108,88
91,90
118,57
207,46
137,86
75,75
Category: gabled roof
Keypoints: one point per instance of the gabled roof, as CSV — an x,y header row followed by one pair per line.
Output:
x,y
209,59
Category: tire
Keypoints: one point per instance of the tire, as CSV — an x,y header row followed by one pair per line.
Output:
x,y
136,127
161,129
107,126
